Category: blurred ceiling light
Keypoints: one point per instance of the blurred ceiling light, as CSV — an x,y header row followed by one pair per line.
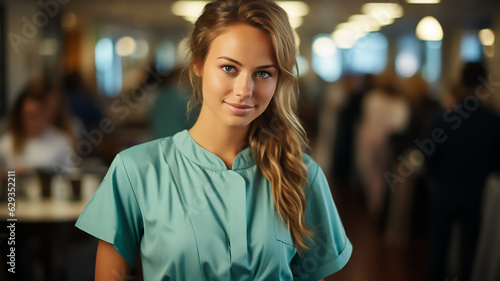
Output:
x,y
367,23
190,10
294,8
350,26
383,19
295,22
345,38
423,1
69,20
125,46
429,29
487,37
324,46
383,10
141,49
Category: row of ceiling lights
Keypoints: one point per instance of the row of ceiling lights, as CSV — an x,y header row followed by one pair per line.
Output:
x,y
373,17
191,10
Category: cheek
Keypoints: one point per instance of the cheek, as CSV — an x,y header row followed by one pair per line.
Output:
x,y
267,91
214,84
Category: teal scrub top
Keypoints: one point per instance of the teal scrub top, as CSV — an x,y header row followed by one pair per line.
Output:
x,y
191,218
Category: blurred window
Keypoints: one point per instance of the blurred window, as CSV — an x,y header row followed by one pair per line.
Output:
x,y
408,57
431,70
108,68
326,58
302,64
471,48
165,56
369,54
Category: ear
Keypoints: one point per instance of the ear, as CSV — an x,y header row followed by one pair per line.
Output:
x,y
198,68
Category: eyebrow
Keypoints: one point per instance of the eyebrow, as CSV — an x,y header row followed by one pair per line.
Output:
x,y
239,63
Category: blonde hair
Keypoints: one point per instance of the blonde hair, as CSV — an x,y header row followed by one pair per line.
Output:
x,y
276,137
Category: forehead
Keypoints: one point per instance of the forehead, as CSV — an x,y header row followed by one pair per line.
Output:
x,y
244,43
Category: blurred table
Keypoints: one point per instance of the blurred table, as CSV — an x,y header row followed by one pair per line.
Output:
x,y
44,210
45,234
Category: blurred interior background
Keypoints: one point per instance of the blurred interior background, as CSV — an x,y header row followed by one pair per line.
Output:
x,y
399,99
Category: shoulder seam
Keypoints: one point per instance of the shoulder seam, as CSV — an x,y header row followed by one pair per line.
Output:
x,y
316,173
130,183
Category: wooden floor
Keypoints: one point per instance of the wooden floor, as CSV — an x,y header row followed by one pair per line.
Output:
x,y
373,259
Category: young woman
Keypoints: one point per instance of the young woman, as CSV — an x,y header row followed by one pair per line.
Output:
x,y
235,197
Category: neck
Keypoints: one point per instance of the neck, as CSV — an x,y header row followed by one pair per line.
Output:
x,y
224,141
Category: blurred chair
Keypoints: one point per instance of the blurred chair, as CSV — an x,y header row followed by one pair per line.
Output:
x,y
488,251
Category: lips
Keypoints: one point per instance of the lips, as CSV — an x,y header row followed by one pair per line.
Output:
x,y
238,108
238,105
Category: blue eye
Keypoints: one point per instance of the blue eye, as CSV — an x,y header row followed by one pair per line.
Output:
x,y
228,68
263,74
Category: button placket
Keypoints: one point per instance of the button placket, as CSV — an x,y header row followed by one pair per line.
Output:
x,y
238,228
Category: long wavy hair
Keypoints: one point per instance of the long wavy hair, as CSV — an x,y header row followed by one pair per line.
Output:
x,y
276,137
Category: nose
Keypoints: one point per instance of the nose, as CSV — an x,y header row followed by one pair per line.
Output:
x,y
244,86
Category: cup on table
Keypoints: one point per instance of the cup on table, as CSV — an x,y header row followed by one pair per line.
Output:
x,y
76,187
75,179
45,179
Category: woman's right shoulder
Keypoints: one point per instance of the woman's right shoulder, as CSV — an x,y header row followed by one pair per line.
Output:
x,y
148,152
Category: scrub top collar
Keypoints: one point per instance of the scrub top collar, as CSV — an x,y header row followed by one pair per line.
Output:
x,y
204,158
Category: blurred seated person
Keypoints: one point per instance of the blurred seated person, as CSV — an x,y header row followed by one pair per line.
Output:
x,y
39,133
81,103
90,115
461,151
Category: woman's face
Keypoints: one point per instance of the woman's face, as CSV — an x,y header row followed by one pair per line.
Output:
x,y
34,121
239,76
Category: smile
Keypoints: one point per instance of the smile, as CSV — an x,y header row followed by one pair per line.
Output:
x,y
239,109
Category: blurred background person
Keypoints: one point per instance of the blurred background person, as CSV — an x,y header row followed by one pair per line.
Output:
x,y
467,152
384,112
88,110
169,109
39,133
349,118
405,210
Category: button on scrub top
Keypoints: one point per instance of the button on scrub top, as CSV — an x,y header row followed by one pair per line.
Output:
x,y
192,219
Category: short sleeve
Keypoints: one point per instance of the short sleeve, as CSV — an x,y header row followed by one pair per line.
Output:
x,y
329,248
113,214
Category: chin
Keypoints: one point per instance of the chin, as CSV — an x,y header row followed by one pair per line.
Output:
x,y
238,123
